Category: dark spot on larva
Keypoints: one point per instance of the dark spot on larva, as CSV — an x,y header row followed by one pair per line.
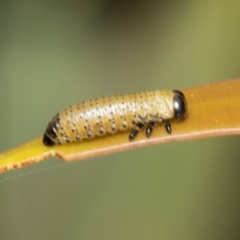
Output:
x,y
124,124
101,130
85,127
78,138
133,121
109,119
140,125
73,130
89,134
113,127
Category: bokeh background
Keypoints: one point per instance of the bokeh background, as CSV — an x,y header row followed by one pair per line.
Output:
x,y
56,53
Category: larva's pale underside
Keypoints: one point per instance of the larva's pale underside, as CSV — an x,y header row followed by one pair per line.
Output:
x,y
100,116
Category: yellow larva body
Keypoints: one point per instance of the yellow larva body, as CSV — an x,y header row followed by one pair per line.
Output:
x,y
100,116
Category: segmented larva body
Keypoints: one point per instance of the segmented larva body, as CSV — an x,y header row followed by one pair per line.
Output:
x,y
100,116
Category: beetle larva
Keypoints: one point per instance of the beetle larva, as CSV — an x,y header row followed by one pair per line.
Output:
x,y
100,116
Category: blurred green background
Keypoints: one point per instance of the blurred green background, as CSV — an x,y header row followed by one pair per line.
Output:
x,y
56,53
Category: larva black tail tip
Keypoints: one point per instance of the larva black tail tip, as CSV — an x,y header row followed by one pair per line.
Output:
x,y
47,140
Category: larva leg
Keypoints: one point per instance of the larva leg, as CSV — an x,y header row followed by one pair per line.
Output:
x,y
149,128
135,131
167,126
133,134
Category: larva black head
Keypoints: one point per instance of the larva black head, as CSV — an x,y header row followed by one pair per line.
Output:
x,y
179,105
49,137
